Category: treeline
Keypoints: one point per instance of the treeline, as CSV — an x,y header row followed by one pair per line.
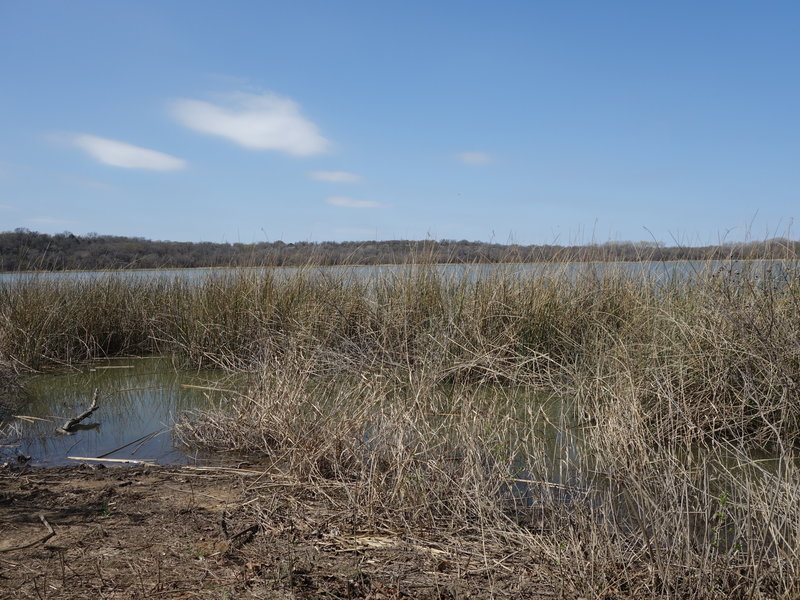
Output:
x,y
24,250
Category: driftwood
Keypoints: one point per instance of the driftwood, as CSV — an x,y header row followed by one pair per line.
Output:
x,y
50,533
70,425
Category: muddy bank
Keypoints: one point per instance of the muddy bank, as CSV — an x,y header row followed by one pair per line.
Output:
x,y
175,532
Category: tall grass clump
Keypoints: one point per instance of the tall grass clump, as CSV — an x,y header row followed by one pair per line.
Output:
x,y
713,353
61,321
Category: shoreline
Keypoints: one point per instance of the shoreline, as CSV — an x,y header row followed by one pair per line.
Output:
x,y
409,265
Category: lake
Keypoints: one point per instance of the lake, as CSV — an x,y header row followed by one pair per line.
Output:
x,y
666,271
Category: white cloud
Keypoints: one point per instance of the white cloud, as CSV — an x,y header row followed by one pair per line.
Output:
x,y
127,156
474,158
335,176
255,121
352,203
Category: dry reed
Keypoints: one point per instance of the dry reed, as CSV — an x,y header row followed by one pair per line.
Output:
x,y
425,398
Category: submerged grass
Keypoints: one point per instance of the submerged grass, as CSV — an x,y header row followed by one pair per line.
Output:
x,y
416,398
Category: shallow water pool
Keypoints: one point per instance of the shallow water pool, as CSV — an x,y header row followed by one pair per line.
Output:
x,y
139,399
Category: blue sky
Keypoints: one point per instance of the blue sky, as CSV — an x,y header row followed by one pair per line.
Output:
x,y
533,122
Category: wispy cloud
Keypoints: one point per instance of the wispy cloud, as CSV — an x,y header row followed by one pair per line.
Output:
x,y
474,158
353,203
335,176
256,121
127,156
7,207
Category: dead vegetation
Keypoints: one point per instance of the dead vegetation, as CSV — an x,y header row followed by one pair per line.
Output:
x,y
418,405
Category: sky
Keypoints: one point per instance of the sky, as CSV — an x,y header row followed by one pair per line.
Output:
x,y
507,121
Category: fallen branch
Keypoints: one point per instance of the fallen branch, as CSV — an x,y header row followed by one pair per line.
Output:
x,y
50,533
69,425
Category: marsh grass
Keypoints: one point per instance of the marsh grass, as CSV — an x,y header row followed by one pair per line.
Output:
x,y
416,398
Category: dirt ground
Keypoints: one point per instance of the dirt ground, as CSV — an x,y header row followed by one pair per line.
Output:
x,y
154,532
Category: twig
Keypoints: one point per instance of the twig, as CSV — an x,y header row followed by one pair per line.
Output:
x,y
149,435
146,440
211,389
222,470
50,533
29,418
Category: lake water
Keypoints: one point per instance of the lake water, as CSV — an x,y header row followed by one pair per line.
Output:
x,y
660,270
139,399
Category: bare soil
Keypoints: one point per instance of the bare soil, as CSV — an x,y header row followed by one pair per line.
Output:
x,y
153,532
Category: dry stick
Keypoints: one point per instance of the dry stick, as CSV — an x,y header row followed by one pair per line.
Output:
x,y
67,427
143,442
251,530
50,533
225,470
149,435
29,418
211,389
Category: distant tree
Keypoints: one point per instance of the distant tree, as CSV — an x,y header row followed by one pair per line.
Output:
x,y
22,249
